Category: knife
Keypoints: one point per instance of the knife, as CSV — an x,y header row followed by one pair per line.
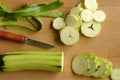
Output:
x,y
23,39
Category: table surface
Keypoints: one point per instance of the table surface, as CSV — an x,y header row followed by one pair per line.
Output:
x,y
106,45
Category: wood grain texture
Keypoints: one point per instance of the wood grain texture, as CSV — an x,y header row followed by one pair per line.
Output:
x,y
106,45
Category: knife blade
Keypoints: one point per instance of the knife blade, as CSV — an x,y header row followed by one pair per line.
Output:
x,y
23,39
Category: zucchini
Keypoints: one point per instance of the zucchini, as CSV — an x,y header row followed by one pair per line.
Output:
x,y
81,6
74,21
99,16
31,60
115,74
90,4
94,64
69,35
87,15
75,11
102,68
36,10
80,65
52,13
58,23
108,71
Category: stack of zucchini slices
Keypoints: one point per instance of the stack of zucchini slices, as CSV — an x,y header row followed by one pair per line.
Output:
x,y
91,65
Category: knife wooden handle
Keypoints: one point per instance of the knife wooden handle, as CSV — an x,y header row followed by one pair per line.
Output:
x,y
11,36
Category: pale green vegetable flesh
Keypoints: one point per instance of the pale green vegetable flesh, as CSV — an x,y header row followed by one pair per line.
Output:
x,y
90,29
81,6
115,74
99,16
73,21
109,69
69,35
80,65
75,11
102,68
90,4
58,23
92,66
32,60
87,15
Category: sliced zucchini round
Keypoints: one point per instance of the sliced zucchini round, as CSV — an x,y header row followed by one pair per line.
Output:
x,y
69,35
102,68
87,15
73,21
94,64
90,4
80,65
90,29
75,11
99,16
115,74
58,23
81,6
95,8
108,70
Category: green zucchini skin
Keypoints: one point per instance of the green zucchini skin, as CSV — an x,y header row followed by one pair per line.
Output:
x,y
31,60
11,19
1,62
33,10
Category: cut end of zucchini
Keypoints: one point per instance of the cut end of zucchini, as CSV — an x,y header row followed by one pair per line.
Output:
x,y
91,65
115,74
58,23
81,6
99,16
73,20
90,4
80,65
94,64
90,29
102,68
62,62
69,35
75,11
87,15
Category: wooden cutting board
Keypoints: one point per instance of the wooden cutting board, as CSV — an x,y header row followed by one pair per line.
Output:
x,y
107,44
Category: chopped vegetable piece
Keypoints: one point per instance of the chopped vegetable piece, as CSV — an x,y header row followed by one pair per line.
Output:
x,y
75,11
90,4
81,6
99,16
87,15
92,66
102,68
80,65
90,29
115,74
69,35
74,21
58,23
93,63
